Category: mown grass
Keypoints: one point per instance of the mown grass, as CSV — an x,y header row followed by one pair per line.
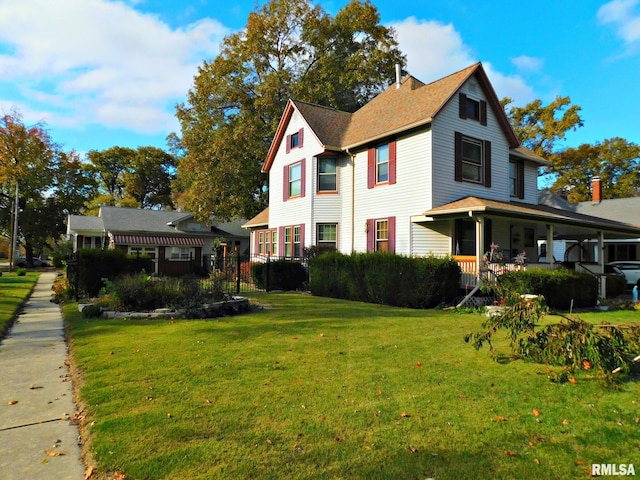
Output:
x,y
316,388
13,292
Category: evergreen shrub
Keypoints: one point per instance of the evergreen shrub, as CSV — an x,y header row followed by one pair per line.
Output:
x,y
386,278
560,287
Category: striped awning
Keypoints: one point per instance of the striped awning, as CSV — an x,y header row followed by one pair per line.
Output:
x,y
160,240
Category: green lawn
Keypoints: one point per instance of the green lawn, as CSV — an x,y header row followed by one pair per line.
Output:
x,y
315,388
13,292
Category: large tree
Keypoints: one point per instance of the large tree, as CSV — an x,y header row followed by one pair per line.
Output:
x,y
44,177
128,177
542,128
288,49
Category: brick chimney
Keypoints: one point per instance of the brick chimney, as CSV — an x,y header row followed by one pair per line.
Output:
x,y
596,190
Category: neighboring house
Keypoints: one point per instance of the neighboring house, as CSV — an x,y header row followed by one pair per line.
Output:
x,y
624,210
175,240
421,169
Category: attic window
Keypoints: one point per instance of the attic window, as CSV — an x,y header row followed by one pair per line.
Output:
x,y
473,109
295,140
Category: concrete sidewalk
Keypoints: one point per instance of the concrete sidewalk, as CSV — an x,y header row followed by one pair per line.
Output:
x,y
33,374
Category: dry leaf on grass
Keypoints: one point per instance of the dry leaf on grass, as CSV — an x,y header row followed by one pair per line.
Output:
x,y
405,415
536,412
419,364
52,453
500,418
88,472
510,453
565,422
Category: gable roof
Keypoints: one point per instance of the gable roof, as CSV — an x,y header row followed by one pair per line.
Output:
x,y
394,110
259,220
119,219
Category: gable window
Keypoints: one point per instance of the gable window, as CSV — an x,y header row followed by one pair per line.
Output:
x,y
327,234
472,160
327,175
471,109
381,164
294,140
516,178
381,235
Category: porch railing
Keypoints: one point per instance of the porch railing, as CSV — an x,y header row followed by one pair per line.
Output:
x,y
469,270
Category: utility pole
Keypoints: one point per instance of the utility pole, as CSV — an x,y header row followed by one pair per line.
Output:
x,y
14,235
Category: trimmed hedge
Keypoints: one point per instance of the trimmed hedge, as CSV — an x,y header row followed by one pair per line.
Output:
x,y
282,275
95,264
385,278
560,287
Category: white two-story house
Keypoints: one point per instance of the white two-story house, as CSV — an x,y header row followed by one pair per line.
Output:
x,y
421,169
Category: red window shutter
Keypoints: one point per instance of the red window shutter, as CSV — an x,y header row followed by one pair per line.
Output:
x,y
300,137
281,241
487,163
302,239
392,162
483,112
458,157
285,183
303,169
288,143
371,235
371,168
462,99
520,179
392,234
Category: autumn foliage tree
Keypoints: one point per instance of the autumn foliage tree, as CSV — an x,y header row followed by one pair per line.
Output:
x,y
542,128
45,177
288,49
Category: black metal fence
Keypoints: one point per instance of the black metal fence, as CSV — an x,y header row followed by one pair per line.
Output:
x,y
237,275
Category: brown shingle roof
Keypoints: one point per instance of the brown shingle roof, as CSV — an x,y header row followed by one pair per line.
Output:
x,y
259,220
397,109
329,124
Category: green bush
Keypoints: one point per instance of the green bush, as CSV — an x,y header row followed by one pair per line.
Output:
x,y
562,288
94,265
282,275
140,292
385,278
616,285
21,272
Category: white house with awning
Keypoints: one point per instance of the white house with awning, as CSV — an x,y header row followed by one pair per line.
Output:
x,y
172,239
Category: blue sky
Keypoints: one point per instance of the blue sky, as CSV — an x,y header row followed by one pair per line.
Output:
x,y
102,73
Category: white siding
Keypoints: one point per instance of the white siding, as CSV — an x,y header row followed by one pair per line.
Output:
x,y
295,211
446,189
431,238
530,183
409,196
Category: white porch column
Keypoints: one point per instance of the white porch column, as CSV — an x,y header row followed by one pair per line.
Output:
x,y
550,243
479,241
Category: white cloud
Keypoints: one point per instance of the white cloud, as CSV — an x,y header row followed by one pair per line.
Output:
x,y
101,61
434,50
622,14
527,63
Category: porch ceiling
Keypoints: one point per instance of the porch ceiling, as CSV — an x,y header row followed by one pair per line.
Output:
x,y
566,224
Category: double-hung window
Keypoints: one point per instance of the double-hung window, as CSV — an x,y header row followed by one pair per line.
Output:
x,y
516,178
382,235
327,175
292,242
328,234
472,159
295,180
382,163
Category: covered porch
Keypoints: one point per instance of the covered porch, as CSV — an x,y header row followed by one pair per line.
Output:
x,y
470,229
